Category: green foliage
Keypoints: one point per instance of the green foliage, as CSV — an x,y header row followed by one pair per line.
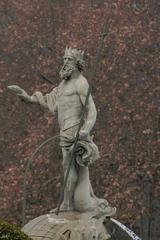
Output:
x,y
11,232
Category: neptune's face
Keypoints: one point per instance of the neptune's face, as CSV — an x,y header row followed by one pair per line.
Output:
x,y
68,68
69,61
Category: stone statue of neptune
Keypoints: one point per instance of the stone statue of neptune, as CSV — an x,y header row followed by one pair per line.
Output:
x,y
67,100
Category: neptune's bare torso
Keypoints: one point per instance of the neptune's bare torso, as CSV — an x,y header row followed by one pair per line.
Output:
x,y
69,104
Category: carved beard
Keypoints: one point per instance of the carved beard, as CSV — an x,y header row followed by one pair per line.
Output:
x,y
66,71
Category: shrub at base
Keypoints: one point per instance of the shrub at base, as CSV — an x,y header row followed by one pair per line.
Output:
x,y
11,232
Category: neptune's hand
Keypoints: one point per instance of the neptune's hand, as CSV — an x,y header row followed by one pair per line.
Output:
x,y
20,93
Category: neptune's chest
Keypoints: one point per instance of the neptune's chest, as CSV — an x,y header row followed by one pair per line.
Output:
x,y
67,89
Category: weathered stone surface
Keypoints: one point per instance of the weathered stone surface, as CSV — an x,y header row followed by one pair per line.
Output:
x,y
126,90
67,225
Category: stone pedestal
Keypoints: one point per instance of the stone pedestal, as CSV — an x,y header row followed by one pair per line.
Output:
x,y
66,226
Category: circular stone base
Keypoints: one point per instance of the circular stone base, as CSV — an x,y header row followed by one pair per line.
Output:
x,y
66,226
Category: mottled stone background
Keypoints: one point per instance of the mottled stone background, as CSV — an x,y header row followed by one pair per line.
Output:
x,y
126,91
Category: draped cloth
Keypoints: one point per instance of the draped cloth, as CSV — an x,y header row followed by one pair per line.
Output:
x,y
86,151
49,100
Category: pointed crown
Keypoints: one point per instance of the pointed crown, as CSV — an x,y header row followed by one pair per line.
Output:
x,y
74,53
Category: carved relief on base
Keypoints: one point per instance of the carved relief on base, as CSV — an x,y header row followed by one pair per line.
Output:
x,y
67,226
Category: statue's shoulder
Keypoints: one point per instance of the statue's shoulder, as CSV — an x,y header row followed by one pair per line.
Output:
x,y
56,89
82,79
81,83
